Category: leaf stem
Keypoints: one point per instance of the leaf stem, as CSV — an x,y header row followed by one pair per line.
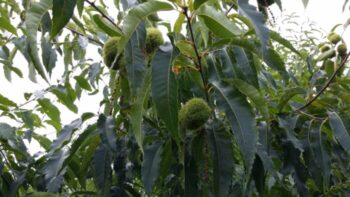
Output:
x,y
89,38
342,64
92,4
199,63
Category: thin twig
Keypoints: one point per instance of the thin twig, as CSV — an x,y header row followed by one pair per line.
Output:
x,y
342,64
92,4
199,63
229,10
89,38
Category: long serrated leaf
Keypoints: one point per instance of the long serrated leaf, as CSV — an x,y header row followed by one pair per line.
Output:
x,y
164,90
320,156
217,22
65,135
62,12
278,38
135,60
221,149
150,165
339,130
242,122
257,20
106,128
33,20
102,170
254,95
137,14
106,26
137,109
274,61
50,109
54,164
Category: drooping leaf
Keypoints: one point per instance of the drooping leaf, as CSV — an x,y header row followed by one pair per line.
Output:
x,y
339,130
7,132
278,38
83,83
257,20
217,22
288,123
253,94
164,90
53,167
102,170
274,61
48,55
65,135
63,96
318,150
242,122
150,165
221,148
198,3
33,19
135,60
137,14
62,12
106,26
6,24
50,109
305,2
137,108
289,93
106,128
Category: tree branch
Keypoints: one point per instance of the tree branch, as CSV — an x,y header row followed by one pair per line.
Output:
x,y
89,38
92,4
199,63
342,64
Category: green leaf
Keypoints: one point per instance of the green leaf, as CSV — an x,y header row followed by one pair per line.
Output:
x,y
257,20
254,95
150,164
53,167
65,135
62,12
43,194
339,130
179,22
33,20
106,26
6,24
48,55
320,156
7,102
164,90
137,109
102,170
278,38
137,14
274,61
305,2
217,22
7,132
241,118
106,128
83,83
198,3
50,109
186,48
135,60
63,96
80,6
221,149
289,93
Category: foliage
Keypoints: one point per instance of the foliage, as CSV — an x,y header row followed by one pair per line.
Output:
x,y
273,111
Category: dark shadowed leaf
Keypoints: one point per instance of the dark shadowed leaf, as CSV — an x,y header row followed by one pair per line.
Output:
x,y
106,26
150,165
339,130
221,148
106,128
242,122
164,90
101,163
62,11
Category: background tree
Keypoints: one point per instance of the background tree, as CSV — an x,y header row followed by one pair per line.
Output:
x,y
226,107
